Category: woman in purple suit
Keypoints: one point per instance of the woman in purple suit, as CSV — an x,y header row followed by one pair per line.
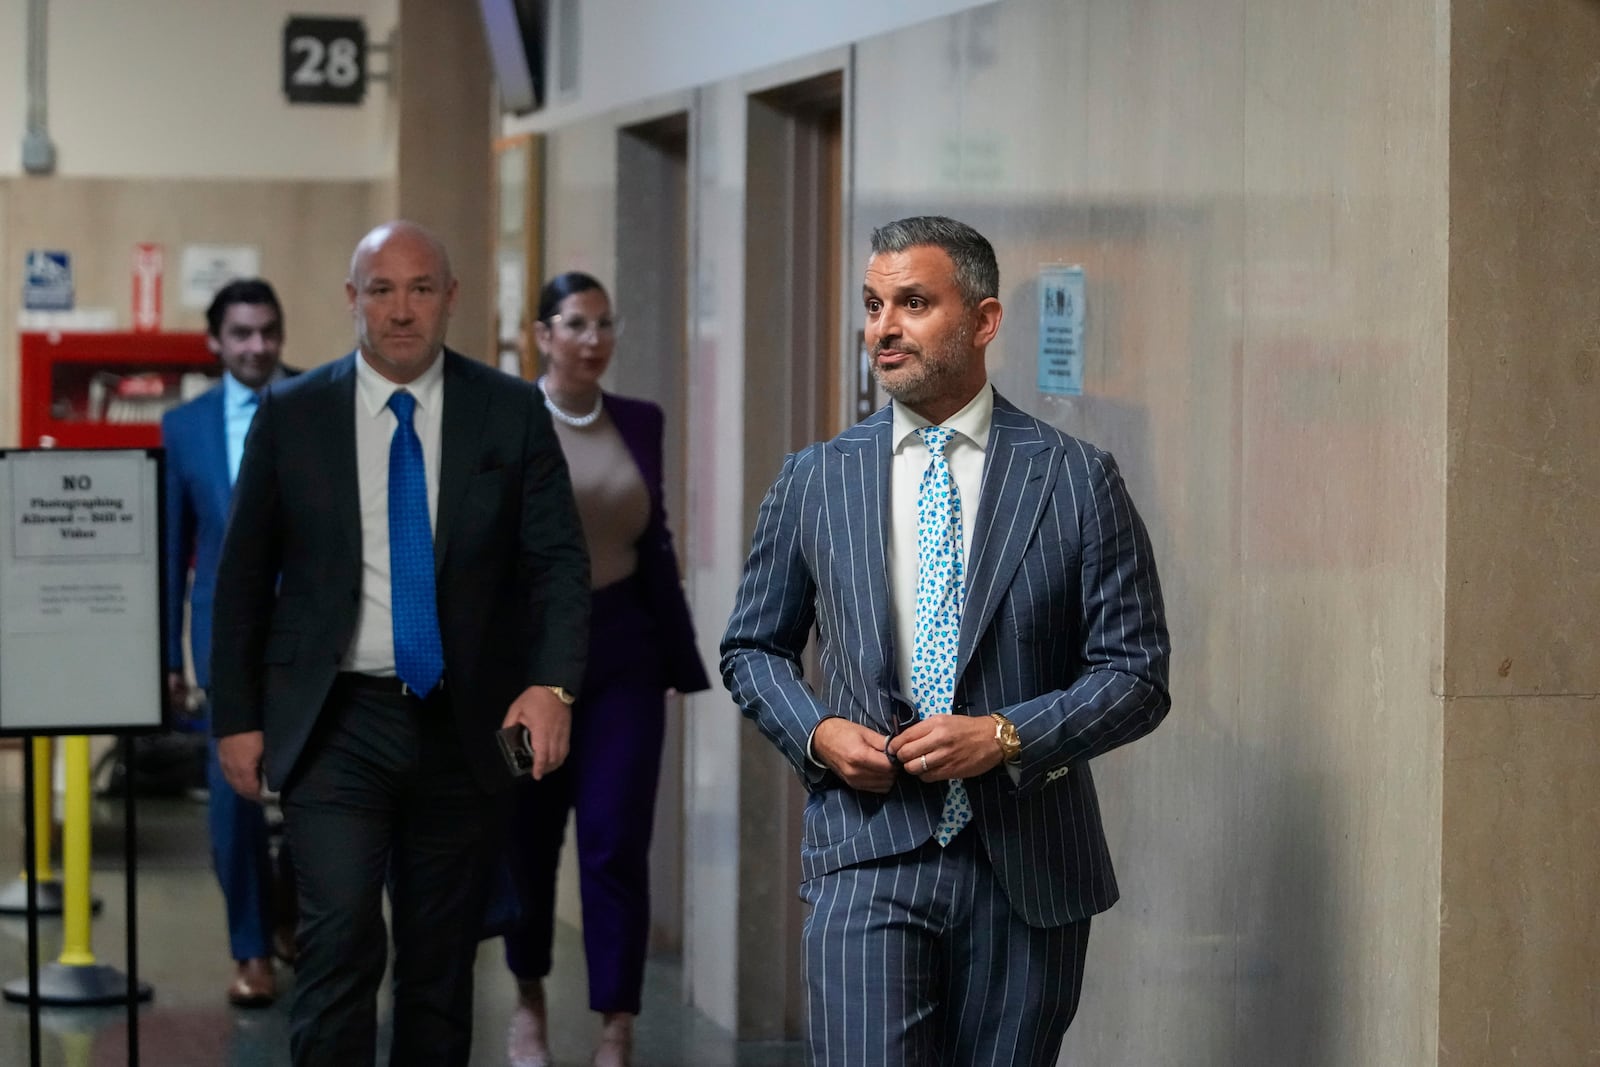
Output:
x,y
641,644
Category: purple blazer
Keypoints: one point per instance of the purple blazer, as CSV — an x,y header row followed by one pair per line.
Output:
x,y
640,423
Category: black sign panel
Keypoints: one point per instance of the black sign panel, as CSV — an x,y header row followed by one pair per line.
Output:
x,y
324,60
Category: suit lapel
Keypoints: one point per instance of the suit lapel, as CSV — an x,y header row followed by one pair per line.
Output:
x,y
340,419
1018,471
859,490
216,423
632,428
460,428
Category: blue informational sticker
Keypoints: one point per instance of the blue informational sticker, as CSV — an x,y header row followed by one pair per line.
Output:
x,y
47,281
1061,330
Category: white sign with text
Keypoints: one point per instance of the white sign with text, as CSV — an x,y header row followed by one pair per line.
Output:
x,y
80,591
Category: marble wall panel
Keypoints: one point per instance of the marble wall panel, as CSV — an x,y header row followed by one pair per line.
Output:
x,y
1265,357
1524,590
1519,927
1518,936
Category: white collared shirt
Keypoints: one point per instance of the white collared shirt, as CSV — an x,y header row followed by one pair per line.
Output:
x,y
239,406
372,649
965,454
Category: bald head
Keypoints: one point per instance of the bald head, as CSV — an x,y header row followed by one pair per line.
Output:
x,y
403,230
401,293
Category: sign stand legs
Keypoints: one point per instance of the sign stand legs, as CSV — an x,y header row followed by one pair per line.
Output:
x,y
75,979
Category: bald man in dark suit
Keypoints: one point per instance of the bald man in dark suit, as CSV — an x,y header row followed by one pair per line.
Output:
x,y
403,574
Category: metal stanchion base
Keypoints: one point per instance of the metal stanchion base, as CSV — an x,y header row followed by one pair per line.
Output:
x,y
14,898
89,985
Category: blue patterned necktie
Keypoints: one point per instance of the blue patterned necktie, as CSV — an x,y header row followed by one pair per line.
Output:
x,y
418,653
940,580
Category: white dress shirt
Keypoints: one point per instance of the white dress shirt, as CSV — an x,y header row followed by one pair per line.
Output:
x,y
965,454
372,650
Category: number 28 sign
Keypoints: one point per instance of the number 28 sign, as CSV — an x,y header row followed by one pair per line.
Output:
x,y
324,60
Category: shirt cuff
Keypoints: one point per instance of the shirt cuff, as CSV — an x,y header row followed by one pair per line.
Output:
x,y
811,753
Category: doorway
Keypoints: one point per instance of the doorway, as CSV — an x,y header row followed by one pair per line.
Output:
x,y
652,297
797,365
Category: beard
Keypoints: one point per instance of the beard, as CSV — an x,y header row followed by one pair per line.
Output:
x,y
931,373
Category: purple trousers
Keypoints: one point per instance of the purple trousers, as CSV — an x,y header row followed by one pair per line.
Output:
x,y
609,782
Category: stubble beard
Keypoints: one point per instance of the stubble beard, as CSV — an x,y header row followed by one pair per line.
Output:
x,y
930,374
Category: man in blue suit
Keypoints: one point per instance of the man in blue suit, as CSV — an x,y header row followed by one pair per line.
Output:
x,y
204,439
989,620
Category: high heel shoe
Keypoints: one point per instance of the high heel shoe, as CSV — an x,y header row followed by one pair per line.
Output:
x,y
528,1038
616,1041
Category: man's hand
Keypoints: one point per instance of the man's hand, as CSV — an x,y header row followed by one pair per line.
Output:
x,y
854,753
549,724
178,694
240,756
942,747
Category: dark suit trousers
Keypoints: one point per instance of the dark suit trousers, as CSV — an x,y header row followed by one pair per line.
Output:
x,y
920,959
609,779
383,795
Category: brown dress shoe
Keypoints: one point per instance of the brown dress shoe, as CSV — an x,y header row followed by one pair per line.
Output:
x,y
254,985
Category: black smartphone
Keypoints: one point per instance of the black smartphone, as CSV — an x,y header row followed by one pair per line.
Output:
x,y
517,750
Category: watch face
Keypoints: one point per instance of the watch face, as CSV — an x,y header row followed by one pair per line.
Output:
x,y
1010,743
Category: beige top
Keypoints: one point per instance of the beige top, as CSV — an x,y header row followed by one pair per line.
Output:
x,y
613,503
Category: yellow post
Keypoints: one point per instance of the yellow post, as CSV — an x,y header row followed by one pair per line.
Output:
x,y
75,948
43,796
77,1048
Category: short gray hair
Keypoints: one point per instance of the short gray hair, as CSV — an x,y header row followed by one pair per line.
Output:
x,y
977,273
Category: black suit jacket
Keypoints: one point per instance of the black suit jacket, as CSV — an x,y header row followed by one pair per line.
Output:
x,y
512,570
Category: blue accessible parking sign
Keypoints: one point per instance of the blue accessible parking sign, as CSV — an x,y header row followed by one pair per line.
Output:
x,y
47,282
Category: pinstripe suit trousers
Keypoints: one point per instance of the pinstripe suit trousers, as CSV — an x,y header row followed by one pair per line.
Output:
x,y
919,959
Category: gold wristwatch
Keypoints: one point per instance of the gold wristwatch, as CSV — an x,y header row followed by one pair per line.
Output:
x,y
1005,735
562,695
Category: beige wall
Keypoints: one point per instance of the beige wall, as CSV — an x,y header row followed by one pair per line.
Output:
x,y
670,45
304,230
445,163
420,146
188,88
1522,731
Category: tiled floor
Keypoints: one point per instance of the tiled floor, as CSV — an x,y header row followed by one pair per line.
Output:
x,y
182,955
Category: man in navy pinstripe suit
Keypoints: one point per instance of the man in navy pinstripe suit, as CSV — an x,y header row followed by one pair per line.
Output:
x,y
969,951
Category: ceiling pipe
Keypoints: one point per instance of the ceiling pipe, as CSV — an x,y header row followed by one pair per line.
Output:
x,y
38,154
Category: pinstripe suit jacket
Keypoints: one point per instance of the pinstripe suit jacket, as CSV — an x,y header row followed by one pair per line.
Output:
x,y
1063,632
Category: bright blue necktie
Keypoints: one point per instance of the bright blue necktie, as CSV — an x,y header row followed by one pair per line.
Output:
x,y
940,581
418,653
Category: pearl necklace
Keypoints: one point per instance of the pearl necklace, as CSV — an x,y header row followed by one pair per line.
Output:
x,y
577,421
